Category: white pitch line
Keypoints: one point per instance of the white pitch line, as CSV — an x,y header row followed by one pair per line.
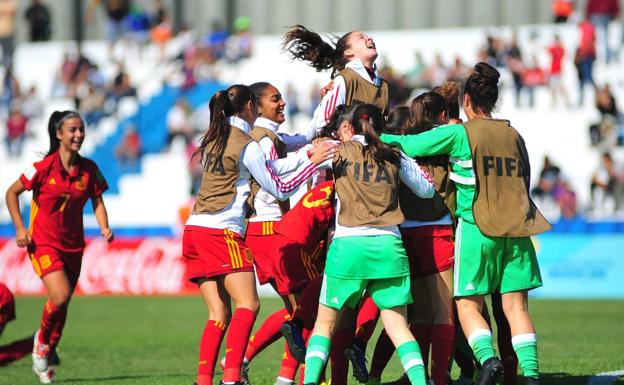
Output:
x,y
605,378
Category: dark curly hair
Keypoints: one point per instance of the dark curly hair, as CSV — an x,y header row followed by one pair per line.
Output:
x,y
482,86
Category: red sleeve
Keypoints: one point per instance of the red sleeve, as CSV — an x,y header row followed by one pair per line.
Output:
x,y
31,177
97,183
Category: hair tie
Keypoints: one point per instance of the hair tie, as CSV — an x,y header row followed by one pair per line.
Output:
x,y
364,117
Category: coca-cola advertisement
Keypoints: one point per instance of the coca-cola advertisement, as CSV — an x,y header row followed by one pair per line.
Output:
x,y
142,266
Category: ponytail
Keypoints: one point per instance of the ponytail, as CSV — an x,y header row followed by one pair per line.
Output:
x,y
369,122
341,114
223,104
55,123
303,44
424,112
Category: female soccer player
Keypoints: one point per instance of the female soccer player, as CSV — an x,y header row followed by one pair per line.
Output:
x,y
366,251
266,212
493,247
61,182
427,236
352,61
218,260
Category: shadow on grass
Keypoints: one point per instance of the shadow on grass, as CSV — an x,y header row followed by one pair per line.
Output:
x,y
568,379
119,378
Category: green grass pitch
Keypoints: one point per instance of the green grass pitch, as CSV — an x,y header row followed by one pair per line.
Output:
x,y
153,340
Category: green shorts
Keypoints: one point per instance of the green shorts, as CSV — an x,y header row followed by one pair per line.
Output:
x,y
386,292
367,257
484,264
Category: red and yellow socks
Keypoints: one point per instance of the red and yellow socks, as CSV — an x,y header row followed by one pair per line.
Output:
x,y
236,343
209,345
268,333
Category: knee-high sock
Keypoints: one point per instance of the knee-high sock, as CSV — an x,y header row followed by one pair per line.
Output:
x,y
49,318
15,350
422,333
268,333
316,357
366,321
236,343
480,340
209,345
289,367
442,339
525,346
57,330
381,356
412,362
339,362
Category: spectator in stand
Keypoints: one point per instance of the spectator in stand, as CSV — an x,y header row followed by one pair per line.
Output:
x,y
116,13
606,181
415,75
7,31
557,53
608,131
128,151
10,89
562,10
138,25
548,179
494,52
16,131
179,122
605,102
533,76
92,105
38,15
160,12
601,13
436,73
315,97
162,33
566,199
239,45
516,66
32,105
585,56
121,86
292,100
216,39
458,72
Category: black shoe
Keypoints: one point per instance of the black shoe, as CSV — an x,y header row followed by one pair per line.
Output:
x,y
236,383
54,359
531,381
295,342
491,371
358,362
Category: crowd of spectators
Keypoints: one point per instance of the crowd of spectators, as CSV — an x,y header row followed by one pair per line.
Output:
x,y
196,56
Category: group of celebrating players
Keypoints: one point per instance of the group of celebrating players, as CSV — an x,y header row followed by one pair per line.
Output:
x,y
411,216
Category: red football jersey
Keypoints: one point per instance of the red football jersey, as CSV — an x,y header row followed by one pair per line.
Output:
x,y
307,223
58,200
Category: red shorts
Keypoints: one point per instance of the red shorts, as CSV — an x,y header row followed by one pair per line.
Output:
x,y
212,252
295,267
46,259
430,249
260,238
7,305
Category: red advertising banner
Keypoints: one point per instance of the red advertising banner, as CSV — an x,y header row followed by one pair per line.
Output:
x,y
126,266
